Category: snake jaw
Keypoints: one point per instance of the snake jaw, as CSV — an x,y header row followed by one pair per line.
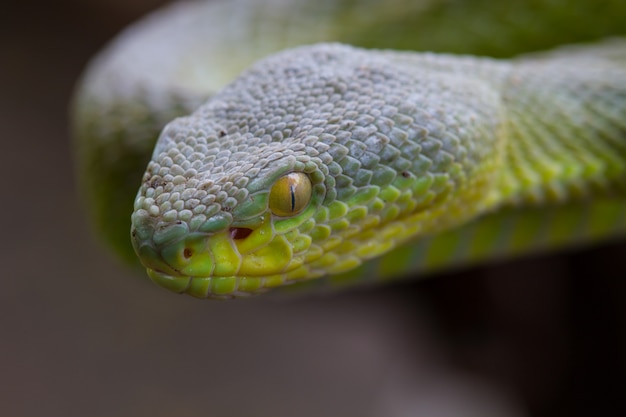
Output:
x,y
230,263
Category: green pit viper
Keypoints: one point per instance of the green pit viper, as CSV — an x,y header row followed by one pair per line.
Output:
x,y
348,164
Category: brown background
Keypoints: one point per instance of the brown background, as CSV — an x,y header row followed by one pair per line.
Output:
x,y
81,336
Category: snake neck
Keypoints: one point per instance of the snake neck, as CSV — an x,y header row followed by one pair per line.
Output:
x,y
566,128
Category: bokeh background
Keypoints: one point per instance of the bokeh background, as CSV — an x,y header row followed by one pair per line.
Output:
x,y
80,335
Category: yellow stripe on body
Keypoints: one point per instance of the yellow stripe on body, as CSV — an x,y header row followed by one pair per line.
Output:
x,y
501,235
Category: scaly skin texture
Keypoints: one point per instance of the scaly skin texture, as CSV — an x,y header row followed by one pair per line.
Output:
x,y
398,146
463,157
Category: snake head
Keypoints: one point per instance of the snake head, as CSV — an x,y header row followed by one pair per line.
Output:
x,y
222,214
311,162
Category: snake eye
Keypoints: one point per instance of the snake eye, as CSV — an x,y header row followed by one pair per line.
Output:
x,y
290,194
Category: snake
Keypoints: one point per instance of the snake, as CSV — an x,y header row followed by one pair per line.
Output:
x,y
299,144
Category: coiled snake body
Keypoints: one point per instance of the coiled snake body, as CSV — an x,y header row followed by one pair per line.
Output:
x,y
333,161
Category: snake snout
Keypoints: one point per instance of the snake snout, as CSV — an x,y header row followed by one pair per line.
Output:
x,y
189,257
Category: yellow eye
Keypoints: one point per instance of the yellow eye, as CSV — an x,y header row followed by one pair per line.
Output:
x,y
290,194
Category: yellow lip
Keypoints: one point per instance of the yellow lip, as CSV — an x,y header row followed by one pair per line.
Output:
x,y
224,266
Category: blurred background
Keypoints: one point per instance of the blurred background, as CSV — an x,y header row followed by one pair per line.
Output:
x,y
80,335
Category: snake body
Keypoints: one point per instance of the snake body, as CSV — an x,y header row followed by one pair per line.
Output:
x,y
340,162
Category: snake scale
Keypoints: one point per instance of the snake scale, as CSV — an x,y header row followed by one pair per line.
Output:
x,y
338,164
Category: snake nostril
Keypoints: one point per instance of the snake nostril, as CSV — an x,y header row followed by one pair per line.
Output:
x,y
239,232
187,253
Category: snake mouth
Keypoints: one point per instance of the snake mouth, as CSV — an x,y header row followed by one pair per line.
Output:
x,y
234,262
220,288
